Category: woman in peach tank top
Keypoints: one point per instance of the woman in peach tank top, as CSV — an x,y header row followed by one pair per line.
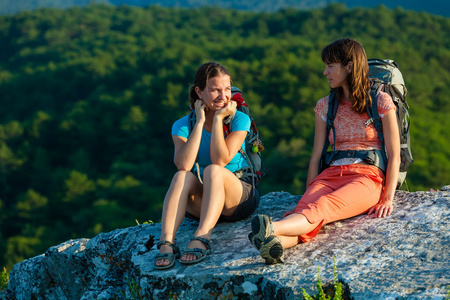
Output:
x,y
349,187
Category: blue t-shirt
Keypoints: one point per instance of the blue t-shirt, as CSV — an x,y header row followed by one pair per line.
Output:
x,y
241,122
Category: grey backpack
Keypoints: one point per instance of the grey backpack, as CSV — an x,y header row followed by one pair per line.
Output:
x,y
387,75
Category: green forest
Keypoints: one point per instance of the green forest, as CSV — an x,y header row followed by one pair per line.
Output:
x,y
438,7
88,97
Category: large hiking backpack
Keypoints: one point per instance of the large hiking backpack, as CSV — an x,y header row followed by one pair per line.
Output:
x,y
253,143
386,77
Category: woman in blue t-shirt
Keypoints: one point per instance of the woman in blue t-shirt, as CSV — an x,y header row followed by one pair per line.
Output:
x,y
211,193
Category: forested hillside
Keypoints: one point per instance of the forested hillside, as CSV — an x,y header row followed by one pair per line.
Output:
x,y
438,7
88,97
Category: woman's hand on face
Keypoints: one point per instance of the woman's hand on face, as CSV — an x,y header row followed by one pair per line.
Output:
x,y
228,109
382,209
200,109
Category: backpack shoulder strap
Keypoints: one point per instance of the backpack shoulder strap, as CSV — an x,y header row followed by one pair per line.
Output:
x,y
191,124
191,120
374,116
331,114
372,111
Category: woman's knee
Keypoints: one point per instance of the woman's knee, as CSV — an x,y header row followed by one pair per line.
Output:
x,y
186,183
183,177
212,171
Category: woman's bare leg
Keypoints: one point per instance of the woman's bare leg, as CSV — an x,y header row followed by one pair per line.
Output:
x,y
289,228
222,192
184,187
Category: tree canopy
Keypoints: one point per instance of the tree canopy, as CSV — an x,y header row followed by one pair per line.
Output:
x,y
438,7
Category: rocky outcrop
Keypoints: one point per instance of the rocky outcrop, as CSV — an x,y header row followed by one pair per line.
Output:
x,y
403,256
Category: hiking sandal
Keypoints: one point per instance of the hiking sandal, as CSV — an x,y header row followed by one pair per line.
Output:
x,y
199,253
171,257
272,250
262,228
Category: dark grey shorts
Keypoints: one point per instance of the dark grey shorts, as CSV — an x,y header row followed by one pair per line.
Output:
x,y
249,203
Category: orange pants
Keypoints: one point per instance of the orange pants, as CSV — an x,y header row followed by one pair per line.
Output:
x,y
339,192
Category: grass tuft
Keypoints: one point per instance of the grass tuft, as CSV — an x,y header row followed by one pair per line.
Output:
x,y
324,292
4,279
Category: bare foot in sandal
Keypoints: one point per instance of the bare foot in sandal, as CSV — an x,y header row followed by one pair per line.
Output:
x,y
196,252
164,261
193,244
168,252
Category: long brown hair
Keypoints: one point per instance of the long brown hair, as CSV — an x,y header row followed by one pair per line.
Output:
x,y
343,51
204,73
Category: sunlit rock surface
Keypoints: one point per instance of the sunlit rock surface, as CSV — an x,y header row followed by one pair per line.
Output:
x,y
403,256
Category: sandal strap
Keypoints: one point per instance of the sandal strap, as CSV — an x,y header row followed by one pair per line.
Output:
x,y
203,240
166,255
174,247
195,251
